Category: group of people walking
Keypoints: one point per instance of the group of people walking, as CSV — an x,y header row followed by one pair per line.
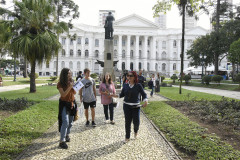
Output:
x,y
132,90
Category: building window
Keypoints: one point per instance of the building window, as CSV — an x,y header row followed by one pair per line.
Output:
x,y
140,54
71,52
131,54
163,44
79,53
174,66
164,55
63,41
47,64
115,53
123,66
86,41
132,42
55,64
63,64
96,53
148,54
148,41
71,65
115,42
78,65
148,66
63,52
123,54
156,67
163,67
86,53
123,43
71,42
140,43
86,64
174,44
96,43
131,66
140,65
79,40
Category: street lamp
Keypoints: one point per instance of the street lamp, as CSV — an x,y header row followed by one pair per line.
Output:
x,y
202,62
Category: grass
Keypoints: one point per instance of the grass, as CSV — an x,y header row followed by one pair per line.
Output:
x,y
173,94
20,82
187,135
18,130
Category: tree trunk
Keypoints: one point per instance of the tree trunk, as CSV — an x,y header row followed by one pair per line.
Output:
x,y
57,65
233,71
216,56
14,69
182,50
32,78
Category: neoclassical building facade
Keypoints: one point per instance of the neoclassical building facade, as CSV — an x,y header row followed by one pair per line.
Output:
x,y
138,44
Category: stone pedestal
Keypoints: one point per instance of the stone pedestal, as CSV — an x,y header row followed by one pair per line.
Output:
x,y
108,58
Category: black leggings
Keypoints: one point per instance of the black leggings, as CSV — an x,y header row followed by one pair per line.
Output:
x,y
110,107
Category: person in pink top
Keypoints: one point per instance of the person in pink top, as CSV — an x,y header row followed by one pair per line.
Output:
x,y
106,89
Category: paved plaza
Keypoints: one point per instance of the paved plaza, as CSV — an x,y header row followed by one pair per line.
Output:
x,y
105,141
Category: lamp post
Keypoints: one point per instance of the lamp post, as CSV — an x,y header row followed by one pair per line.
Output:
x,y
202,62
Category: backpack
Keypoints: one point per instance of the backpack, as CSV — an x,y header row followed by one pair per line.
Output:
x,y
150,84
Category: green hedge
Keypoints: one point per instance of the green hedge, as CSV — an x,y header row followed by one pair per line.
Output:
x,y
189,135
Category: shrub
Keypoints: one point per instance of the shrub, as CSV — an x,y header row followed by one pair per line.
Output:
x,y
174,77
164,84
187,78
162,78
53,78
207,79
14,104
36,75
217,78
94,75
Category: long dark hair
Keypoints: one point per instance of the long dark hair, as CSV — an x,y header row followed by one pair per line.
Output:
x,y
135,76
64,77
109,80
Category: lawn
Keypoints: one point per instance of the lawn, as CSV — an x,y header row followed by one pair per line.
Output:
x,y
18,130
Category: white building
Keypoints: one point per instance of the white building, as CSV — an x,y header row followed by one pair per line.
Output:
x,y
138,44
161,20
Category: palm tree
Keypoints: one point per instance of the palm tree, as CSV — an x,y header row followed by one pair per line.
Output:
x,y
33,38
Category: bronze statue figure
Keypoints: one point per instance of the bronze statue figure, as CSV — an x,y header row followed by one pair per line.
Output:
x,y
109,26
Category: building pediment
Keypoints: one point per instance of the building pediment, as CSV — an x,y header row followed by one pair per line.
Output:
x,y
135,21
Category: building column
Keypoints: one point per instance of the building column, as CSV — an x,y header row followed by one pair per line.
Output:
x,y
136,54
128,52
67,47
91,54
153,54
82,46
145,48
119,64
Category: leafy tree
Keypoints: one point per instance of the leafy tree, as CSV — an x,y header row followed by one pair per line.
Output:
x,y
31,32
234,53
64,9
189,6
174,77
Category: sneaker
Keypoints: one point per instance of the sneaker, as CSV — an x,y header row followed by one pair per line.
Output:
x,y
135,135
63,145
107,121
126,141
67,138
87,123
94,124
112,122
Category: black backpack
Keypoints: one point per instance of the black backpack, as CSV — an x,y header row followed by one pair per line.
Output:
x,y
150,84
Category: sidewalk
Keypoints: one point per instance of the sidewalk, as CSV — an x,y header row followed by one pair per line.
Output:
x,y
225,93
105,141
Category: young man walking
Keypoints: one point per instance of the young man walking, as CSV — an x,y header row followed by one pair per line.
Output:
x,y
88,96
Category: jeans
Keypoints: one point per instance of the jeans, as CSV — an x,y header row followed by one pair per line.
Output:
x,y
153,88
110,107
67,121
131,114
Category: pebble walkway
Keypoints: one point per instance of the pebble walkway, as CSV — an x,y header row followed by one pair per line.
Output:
x,y
105,141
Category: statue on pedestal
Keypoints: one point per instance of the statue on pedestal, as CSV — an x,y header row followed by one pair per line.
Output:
x,y
109,26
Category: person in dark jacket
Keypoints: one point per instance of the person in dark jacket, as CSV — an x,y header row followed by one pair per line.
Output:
x,y
66,105
131,103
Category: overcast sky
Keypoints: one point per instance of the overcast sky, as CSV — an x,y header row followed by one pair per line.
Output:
x,y
89,11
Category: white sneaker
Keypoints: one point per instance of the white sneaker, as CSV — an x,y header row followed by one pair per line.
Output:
x,y
107,121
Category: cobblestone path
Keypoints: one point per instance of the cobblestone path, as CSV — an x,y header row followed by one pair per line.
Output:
x,y
105,141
